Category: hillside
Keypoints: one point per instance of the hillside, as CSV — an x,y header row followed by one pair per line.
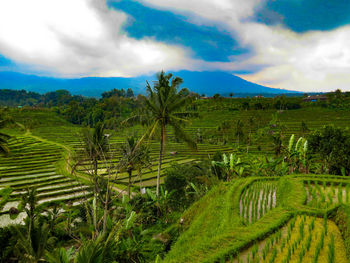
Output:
x,y
200,82
265,220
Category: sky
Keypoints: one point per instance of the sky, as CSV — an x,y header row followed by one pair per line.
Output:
x,y
300,45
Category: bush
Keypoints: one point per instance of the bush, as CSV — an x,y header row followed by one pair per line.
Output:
x,y
333,146
342,219
176,182
8,239
187,183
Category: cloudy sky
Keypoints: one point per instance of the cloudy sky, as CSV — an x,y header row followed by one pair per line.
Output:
x,y
291,44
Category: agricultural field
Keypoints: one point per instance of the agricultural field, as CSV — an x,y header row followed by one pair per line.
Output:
x,y
34,163
265,220
294,218
241,154
257,200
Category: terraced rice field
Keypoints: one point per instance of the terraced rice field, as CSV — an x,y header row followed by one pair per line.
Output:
x,y
257,199
322,194
175,152
48,125
270,220
34,164
303,239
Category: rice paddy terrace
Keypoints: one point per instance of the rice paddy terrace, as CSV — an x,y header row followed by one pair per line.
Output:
x,y
35,163
247,220
290,219
48,125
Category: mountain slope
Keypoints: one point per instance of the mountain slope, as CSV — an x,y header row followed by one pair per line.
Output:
x,y
207,83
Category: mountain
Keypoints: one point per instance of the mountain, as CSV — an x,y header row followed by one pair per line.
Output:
x,y
207,83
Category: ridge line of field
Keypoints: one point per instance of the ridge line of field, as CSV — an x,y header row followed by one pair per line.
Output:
x,y
67,158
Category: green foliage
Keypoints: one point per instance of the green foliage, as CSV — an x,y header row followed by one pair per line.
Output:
x,y
134,156
176,181
60,255
331,252
4,196
274,131
8,240
333,145
4,149
230,167
342,219
161,109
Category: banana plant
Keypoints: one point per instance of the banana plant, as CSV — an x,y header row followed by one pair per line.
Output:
x,y
297,156
232,166
162,202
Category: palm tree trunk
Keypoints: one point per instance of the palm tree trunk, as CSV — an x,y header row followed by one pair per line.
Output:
x,y
105,212
95,166
129,185
139,172
161,152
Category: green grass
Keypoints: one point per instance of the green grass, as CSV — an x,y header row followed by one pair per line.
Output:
x,y
216,228
224,235
34,163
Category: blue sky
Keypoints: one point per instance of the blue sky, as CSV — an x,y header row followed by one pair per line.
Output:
x,y
305,15
290,44
207,42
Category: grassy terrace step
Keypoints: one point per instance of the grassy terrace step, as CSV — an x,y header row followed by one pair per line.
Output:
x,y
223,236
65,192
28,162
103,166
256,200
67,198
8,169
51,188
151,174
323,195
31,158
36,171
33,163
38,184
302,240
15,179
26,182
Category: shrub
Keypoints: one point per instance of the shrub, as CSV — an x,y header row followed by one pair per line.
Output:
x,y
333,146
176,182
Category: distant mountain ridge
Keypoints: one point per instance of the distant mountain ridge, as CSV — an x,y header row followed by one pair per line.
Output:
x,y
208,83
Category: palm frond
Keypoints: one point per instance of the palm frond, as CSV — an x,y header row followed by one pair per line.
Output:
x,y
180,133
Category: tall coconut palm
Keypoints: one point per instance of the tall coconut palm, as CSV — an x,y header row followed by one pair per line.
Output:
x,y
162,108
134,157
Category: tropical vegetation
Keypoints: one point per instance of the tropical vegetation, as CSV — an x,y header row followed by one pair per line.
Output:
x,y
174,177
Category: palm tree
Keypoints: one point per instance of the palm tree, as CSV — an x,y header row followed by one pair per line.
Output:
x,y
134,157
239,133
34,238
95,143
161,108
96,147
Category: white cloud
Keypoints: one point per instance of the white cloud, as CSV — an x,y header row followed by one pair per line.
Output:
x,y
312,61
80,38
73,38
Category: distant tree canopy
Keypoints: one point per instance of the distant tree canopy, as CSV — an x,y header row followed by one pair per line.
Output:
x,y
333,145
29,98
18,97
119,93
